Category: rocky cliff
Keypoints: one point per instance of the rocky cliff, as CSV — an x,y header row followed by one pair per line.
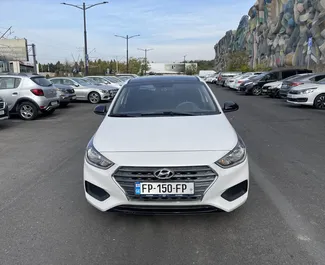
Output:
x,y
276,33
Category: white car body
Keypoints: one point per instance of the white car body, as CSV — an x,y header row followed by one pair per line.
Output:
x,y
307,94
137,154
273,84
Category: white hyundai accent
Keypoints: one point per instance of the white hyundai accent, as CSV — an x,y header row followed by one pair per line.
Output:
x,y
166,146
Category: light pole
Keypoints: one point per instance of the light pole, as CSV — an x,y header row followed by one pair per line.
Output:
x,y
127,37
145,58
84,8
184,63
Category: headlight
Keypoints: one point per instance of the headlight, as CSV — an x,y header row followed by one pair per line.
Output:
x,y
307,91
103,91
234,157
95,158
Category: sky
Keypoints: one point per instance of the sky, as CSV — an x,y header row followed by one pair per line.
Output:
x,y
172,28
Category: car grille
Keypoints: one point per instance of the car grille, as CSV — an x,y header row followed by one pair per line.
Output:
x,y
201,176
294,92
2,105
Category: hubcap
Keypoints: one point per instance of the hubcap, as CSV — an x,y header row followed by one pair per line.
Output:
x,y
26,111
94,98
256,91
320,102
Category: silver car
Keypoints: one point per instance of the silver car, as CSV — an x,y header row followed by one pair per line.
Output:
x,y
28,95
86,91
4,113
114,80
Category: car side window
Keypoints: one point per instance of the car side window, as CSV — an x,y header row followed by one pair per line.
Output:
x,y
319,77
9,82
286,74
55,81
68,82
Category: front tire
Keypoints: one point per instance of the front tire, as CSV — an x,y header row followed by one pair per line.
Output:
x,y
256,91
319,102
27,111
94,98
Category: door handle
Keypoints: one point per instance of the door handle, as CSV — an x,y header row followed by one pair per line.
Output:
x,y
14,93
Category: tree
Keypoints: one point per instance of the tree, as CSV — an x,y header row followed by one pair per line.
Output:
x,y
238,61
191,70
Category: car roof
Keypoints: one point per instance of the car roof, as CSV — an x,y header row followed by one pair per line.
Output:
x,y
164,78
29,75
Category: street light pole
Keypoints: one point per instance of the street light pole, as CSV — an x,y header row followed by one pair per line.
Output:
x,y
145,58
184,63
127,37
84,8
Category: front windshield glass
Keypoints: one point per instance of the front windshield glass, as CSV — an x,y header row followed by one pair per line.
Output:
x,y
113,79
90,81
81,81
141,99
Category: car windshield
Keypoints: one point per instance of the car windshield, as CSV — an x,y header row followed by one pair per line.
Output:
x,y
124,78
90,81
81,81
164,99
113,79
41,81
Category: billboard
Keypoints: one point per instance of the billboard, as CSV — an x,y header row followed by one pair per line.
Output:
x,y
170,67
14,49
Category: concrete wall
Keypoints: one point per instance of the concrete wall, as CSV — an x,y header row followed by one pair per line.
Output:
x,y
276,33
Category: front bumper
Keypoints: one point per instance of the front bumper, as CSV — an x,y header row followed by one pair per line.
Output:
x,y
109,95
4,112
105,191
66,98
300,99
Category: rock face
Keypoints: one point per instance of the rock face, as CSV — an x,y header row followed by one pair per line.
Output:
x,y
276,33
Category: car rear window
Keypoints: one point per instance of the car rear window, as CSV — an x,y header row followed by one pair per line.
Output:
x,y
143,98
41,81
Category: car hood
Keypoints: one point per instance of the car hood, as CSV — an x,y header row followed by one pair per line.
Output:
x,y
165,134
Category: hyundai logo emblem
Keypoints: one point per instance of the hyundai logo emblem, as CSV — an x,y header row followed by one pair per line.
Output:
x,y
164,173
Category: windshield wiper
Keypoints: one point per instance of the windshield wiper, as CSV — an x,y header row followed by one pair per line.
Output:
x,y
167,113
125,115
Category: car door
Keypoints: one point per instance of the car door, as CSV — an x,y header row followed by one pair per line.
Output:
x,y
9,90
268,78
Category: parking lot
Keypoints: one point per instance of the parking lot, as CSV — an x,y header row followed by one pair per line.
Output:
x,y
46,219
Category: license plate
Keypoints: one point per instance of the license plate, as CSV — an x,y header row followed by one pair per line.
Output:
x,y
54,103
179,188
2,112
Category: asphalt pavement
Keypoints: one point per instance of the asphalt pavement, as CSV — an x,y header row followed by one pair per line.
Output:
x,y
45,218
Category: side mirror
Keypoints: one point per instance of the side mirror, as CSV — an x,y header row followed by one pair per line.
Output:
x,y
230,106
100,110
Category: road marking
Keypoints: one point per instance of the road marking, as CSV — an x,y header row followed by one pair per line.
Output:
x,y
304,232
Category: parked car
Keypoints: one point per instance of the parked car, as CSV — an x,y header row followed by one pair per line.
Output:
x,y
242,78
211,78
309,94
255,86
231,80
103,81
223,76
4,111
85,91
300,80
66,94
28,95
124,78
181,172
273,89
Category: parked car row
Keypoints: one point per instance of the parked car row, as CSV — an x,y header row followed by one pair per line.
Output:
x,y
30,95
296,86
